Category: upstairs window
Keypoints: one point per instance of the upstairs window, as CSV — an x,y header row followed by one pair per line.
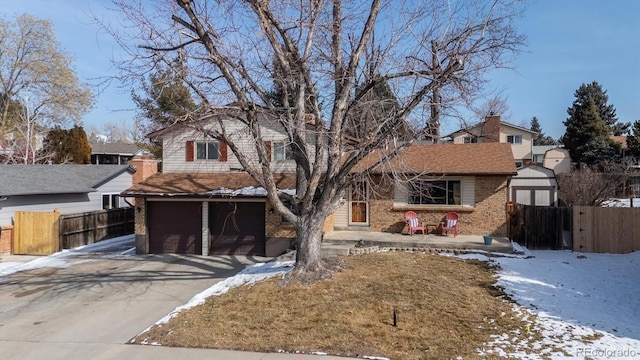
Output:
x,y
282,151
470,139
514,139
442,192
207,150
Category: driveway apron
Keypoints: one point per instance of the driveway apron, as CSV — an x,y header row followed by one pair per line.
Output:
x,y
99,300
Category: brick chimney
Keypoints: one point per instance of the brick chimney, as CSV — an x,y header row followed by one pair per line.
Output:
x,y
145,167
491,128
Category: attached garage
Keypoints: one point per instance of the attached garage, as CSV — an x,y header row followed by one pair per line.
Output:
x,y
207,214
237,228
175,227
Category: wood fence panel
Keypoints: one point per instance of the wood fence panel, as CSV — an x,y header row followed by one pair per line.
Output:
x,y
36,233
606,229
91,227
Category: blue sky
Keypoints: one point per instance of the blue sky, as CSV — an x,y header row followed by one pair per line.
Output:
x,y
570,42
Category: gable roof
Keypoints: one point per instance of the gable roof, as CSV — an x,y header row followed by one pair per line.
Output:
x,y
466,129
56,179
206,184
119,147
541,149
449,159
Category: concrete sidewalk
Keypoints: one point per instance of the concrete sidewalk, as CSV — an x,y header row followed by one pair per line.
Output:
x,y
96,351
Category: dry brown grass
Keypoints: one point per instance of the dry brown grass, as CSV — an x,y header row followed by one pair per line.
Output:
x,y
446,307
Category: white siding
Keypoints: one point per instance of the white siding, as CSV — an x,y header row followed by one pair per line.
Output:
x,y
533,176
174,149
558,160
114,186
520,151
65,203
341,216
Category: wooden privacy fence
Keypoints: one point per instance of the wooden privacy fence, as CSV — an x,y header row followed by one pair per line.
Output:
x,y
90,227
613,230
36,233
43,233
581,228
539,227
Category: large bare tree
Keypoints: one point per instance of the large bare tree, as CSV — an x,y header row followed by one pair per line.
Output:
x,y
316,52
38,86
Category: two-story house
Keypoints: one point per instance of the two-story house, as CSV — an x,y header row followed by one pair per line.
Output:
x,y
494,130
204,202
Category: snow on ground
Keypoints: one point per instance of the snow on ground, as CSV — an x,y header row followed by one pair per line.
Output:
x,y
120,246
621,203
584,305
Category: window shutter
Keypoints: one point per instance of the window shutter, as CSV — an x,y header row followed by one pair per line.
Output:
x,y
189,150
223,151
267,146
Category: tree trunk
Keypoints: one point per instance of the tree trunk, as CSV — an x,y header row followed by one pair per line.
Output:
x,y
310,266
309,239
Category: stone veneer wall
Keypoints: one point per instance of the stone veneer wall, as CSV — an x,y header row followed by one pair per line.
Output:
x,y
140,226
276,229
6,239
488,217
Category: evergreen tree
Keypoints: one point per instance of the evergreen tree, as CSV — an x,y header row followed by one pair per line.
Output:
x,y
633,140
587,135
64,146
606,111
165,101
541,138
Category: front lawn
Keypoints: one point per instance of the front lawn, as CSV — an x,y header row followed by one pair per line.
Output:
x,y
445,308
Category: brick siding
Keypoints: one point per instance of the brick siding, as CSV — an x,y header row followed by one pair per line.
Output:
x,y
488,217
6,240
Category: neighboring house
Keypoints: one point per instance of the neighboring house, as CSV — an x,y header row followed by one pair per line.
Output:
x,y
558,160
534,185
115,153
68,188
539,151
468,179
494,130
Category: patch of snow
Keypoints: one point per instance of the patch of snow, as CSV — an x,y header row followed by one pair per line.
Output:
x,y
584,305
621,203
120,246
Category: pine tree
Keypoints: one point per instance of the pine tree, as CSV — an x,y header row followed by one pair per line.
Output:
x,y
633,140
540,138
64,146
606,111
165,100
587,135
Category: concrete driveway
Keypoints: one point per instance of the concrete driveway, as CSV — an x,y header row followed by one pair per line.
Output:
x,y
93,307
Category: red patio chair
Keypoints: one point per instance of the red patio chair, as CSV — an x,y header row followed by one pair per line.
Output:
x,y
450,223
412,221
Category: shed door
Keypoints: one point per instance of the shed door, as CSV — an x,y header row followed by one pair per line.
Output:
x,y
237,228
174,227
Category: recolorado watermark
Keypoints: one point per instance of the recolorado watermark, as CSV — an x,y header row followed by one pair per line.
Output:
x,y
589,352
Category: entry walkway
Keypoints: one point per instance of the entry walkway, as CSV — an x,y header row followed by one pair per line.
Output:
x,y
342,241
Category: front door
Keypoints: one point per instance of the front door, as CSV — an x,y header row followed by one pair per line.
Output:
x,y
359,203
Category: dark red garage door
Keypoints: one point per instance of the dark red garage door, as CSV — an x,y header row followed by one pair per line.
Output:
x,y
175,227
237,228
